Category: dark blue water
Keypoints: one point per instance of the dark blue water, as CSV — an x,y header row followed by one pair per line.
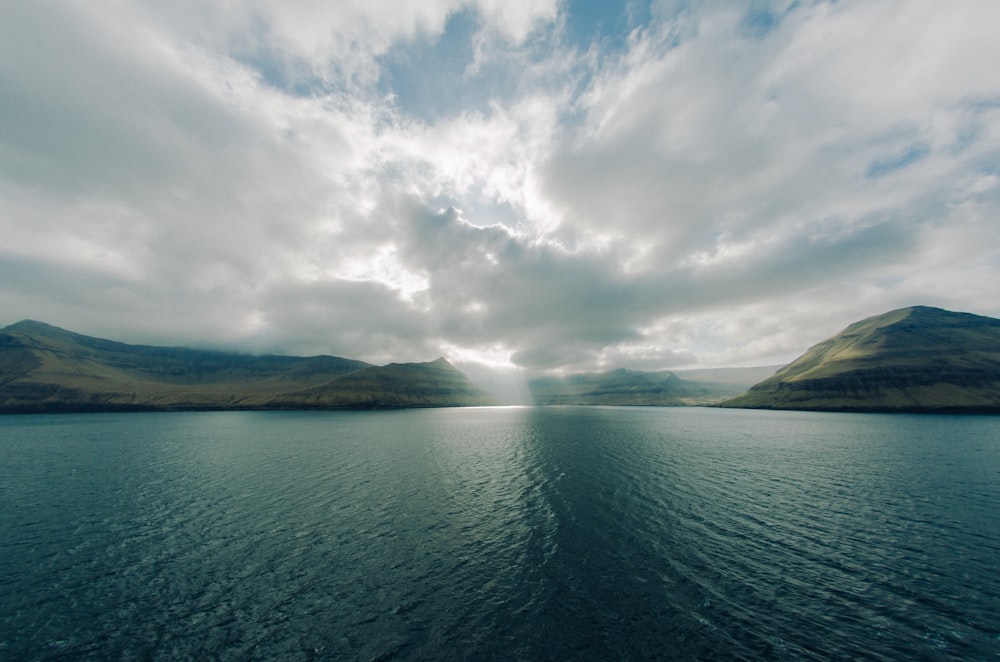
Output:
x,y
549,533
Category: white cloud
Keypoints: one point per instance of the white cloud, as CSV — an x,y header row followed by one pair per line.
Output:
x,y
518,19
721,187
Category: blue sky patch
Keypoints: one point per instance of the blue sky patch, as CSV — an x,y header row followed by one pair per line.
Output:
x,y
607,23
912,154
428,79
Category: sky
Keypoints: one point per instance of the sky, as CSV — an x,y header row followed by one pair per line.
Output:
x,y
528,186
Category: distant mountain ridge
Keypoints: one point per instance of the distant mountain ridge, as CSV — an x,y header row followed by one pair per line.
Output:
x,y
45,368
629,387
918,359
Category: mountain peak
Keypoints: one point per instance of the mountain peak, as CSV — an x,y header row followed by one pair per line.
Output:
x,y
911,359
30,325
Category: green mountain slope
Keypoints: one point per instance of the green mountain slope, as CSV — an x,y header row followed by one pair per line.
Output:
x,y
627,387
912,359
44,368
433,384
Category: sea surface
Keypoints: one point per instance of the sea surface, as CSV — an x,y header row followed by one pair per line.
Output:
x,y
553,533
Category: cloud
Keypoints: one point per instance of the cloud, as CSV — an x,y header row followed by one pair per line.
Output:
x,y
696,183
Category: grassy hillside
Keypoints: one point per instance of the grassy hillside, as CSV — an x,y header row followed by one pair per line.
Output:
x,y
44,368
912,359
431,384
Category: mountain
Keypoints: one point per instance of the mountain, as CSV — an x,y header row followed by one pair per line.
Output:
x,y
628,387
916,359
45,368
434,384
736,378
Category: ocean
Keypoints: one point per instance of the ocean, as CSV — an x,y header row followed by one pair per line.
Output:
x,y
522,533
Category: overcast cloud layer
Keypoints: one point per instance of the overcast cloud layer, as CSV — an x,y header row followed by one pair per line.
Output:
x,y
532,183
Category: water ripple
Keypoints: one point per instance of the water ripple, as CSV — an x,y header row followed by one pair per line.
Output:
x,y
552,533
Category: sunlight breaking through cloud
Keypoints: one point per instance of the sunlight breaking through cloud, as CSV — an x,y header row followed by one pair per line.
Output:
x,y
547,186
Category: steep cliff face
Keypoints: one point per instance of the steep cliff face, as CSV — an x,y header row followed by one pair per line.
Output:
x,y
44,368
912,359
